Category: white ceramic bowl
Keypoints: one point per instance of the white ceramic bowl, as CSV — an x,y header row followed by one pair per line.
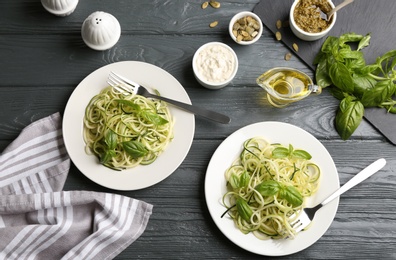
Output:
x,y
306,36
239,16
215,65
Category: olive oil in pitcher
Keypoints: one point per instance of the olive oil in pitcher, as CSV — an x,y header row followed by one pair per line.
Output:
x,y
285,86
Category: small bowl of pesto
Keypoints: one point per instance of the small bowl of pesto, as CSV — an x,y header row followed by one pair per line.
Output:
x,y
306,21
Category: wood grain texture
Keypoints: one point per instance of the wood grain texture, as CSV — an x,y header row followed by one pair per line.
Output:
x,y
43,59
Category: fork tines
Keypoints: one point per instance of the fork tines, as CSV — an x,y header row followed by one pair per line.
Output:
x,y
120,84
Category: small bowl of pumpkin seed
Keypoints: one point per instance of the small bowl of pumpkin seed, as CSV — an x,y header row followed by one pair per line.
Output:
x,y
245,28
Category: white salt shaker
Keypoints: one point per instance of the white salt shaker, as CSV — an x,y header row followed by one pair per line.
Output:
x,y
60,7
101,31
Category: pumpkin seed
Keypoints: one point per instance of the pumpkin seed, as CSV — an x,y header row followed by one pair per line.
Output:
x,y
204,5
246,28
214,4
295,47
213,24
278,36
278,24
288,56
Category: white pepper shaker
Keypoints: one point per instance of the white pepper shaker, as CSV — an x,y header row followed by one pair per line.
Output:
x,y
60,7
101,31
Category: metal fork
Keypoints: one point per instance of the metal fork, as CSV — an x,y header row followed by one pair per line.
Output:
x,y
308,214
127,86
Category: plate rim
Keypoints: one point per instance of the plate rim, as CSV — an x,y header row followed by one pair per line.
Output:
x,y
212,203
184,140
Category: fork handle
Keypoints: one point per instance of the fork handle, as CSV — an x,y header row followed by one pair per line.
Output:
x,y
195,110
358,178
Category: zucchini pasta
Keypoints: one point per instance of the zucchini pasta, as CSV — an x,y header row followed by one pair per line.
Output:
x,y
124,131
266,185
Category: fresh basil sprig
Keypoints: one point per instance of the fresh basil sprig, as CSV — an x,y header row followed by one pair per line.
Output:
x,y
357,84
287,192
148,115
134,148
241,181
283,152
110,140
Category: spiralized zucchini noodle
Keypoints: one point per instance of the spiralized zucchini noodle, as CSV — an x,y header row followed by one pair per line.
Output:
x,y
266,185
124,131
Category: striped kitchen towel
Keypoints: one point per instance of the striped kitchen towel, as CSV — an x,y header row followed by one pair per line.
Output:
x,y
40,221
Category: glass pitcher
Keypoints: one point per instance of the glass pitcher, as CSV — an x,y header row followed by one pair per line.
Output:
x,y
286,85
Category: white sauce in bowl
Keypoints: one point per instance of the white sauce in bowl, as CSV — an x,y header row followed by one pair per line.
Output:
x,y
215,63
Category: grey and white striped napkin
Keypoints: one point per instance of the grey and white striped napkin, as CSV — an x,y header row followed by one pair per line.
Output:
x,y
40,221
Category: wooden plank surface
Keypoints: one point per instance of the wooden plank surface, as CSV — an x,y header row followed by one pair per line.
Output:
x,y
43,58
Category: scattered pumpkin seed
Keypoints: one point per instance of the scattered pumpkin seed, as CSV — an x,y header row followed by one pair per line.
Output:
x,y
214,4
278,36
213,24
245,28
295,47
288,56
278,24
205,4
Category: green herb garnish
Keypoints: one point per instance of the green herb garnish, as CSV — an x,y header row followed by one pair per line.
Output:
x,y
356,84
283,152
287,192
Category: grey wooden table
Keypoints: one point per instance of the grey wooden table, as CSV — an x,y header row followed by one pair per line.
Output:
x,y
43,58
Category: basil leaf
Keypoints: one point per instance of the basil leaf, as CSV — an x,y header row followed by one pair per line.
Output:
x,y
350,37
367,69
319,57
388,55
153,118
244,179
105,158
292,195
330,45
241,181
380,93
234,181
129,103
348,117
353,60
301,154
244,209
135,148
362,84
280,152
111,139
341,77
338,93
321,75
364,42
268,188
348,54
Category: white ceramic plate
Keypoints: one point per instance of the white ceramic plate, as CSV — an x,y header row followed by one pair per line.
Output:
x,y
139,177
274,132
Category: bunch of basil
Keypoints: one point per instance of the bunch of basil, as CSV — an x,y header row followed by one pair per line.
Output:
x,y
357,84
